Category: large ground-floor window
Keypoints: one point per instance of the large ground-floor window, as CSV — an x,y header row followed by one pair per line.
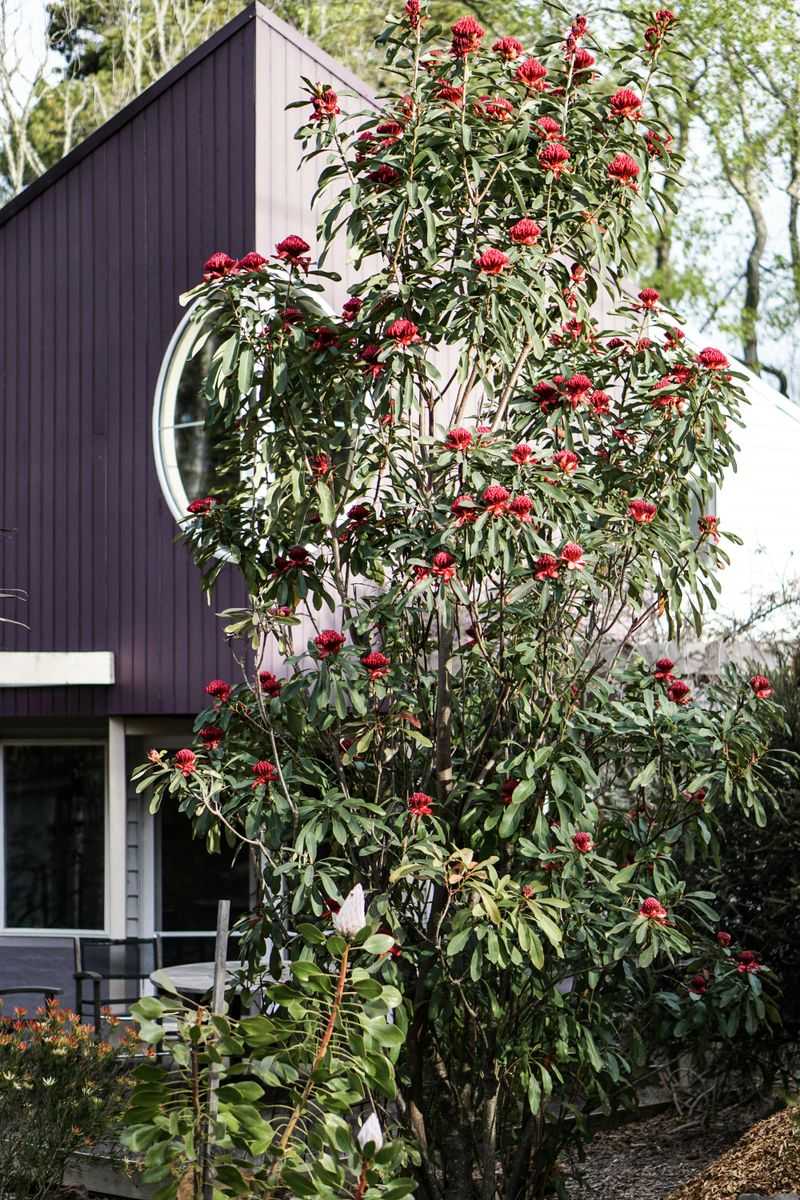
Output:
x,y
53,816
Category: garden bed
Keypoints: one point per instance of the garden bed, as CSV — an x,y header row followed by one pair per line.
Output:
x,y
649,1160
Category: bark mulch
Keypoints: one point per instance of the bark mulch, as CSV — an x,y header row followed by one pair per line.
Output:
x,y
765,1161
649,1160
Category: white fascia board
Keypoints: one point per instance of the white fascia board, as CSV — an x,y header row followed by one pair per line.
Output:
x,y
47,668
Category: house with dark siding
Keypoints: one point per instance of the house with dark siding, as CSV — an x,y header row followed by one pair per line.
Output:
x,y
102,448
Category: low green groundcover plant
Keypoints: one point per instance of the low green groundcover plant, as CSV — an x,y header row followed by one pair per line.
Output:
x,y
61,1091
455,507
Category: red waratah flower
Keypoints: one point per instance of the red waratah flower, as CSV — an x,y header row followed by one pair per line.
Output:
x,y
265,773
376,664
325,104
582,842
220,690
507,789
420,804
253,261
384,175
402,331
369,355
663,669
520,507
458,440
443,565
351,308
495,499
709,527
532,74
467,37
525,232
450,93
391,132
494,108
553,157
567,461
199,508
294,250
625,103
697,797
600,402
653,910
582,60
523,453
713,360
218,265
549,129
624,170
185,762
269,683
724,938
546,566
320,465
328,643
413,10
324,338
698,984
762,690
649,297
578,388
748,962
298,555
359,514
679,692
508,48
642,511
464,510
673,338
548,396
492,262
625,436
211,736
291,316
572,557
656,144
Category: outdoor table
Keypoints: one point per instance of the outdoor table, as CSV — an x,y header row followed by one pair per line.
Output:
x,y
192,979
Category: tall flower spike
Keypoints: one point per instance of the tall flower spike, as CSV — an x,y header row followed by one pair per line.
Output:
x,y
351,918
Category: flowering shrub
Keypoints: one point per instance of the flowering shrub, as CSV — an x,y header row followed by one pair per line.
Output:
x,y
479,497
60,1091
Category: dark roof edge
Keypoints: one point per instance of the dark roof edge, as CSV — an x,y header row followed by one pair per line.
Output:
x,y
164,83
296,38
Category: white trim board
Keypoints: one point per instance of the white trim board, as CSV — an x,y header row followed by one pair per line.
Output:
x,y
46,668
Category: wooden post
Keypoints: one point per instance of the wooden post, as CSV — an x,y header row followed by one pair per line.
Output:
x,y
217,1006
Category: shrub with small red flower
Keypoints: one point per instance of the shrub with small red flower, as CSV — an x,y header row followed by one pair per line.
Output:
x,y
495,546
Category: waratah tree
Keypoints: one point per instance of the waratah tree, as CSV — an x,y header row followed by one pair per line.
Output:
x,y
477,497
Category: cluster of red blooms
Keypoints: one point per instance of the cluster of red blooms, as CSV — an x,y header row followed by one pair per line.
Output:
x,y
202,506
582,842
324,103
748,962
626,104
269,683
708,527
761,687
265,773
295,559
653,910
402,332
420,804
294,251
211,736
642,511
654,35
376,664
329,643
220,690
574,391
508,48
547,566
185,761
492,262
220,264
467,37
678,691
656,144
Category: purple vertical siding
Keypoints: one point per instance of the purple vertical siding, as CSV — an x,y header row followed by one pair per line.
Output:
x,y
95,256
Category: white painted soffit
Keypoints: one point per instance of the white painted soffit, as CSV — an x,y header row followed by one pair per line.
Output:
x,y
47,668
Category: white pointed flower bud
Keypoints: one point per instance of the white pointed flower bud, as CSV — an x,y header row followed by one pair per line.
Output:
x,y
370,1131
351,919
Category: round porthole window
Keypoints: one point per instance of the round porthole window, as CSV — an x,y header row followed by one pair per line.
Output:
x,y
183,450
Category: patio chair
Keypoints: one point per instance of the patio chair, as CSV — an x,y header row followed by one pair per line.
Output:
x,y
114,970
36,989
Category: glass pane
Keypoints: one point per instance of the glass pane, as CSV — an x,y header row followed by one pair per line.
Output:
x,y
192,880
54,824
